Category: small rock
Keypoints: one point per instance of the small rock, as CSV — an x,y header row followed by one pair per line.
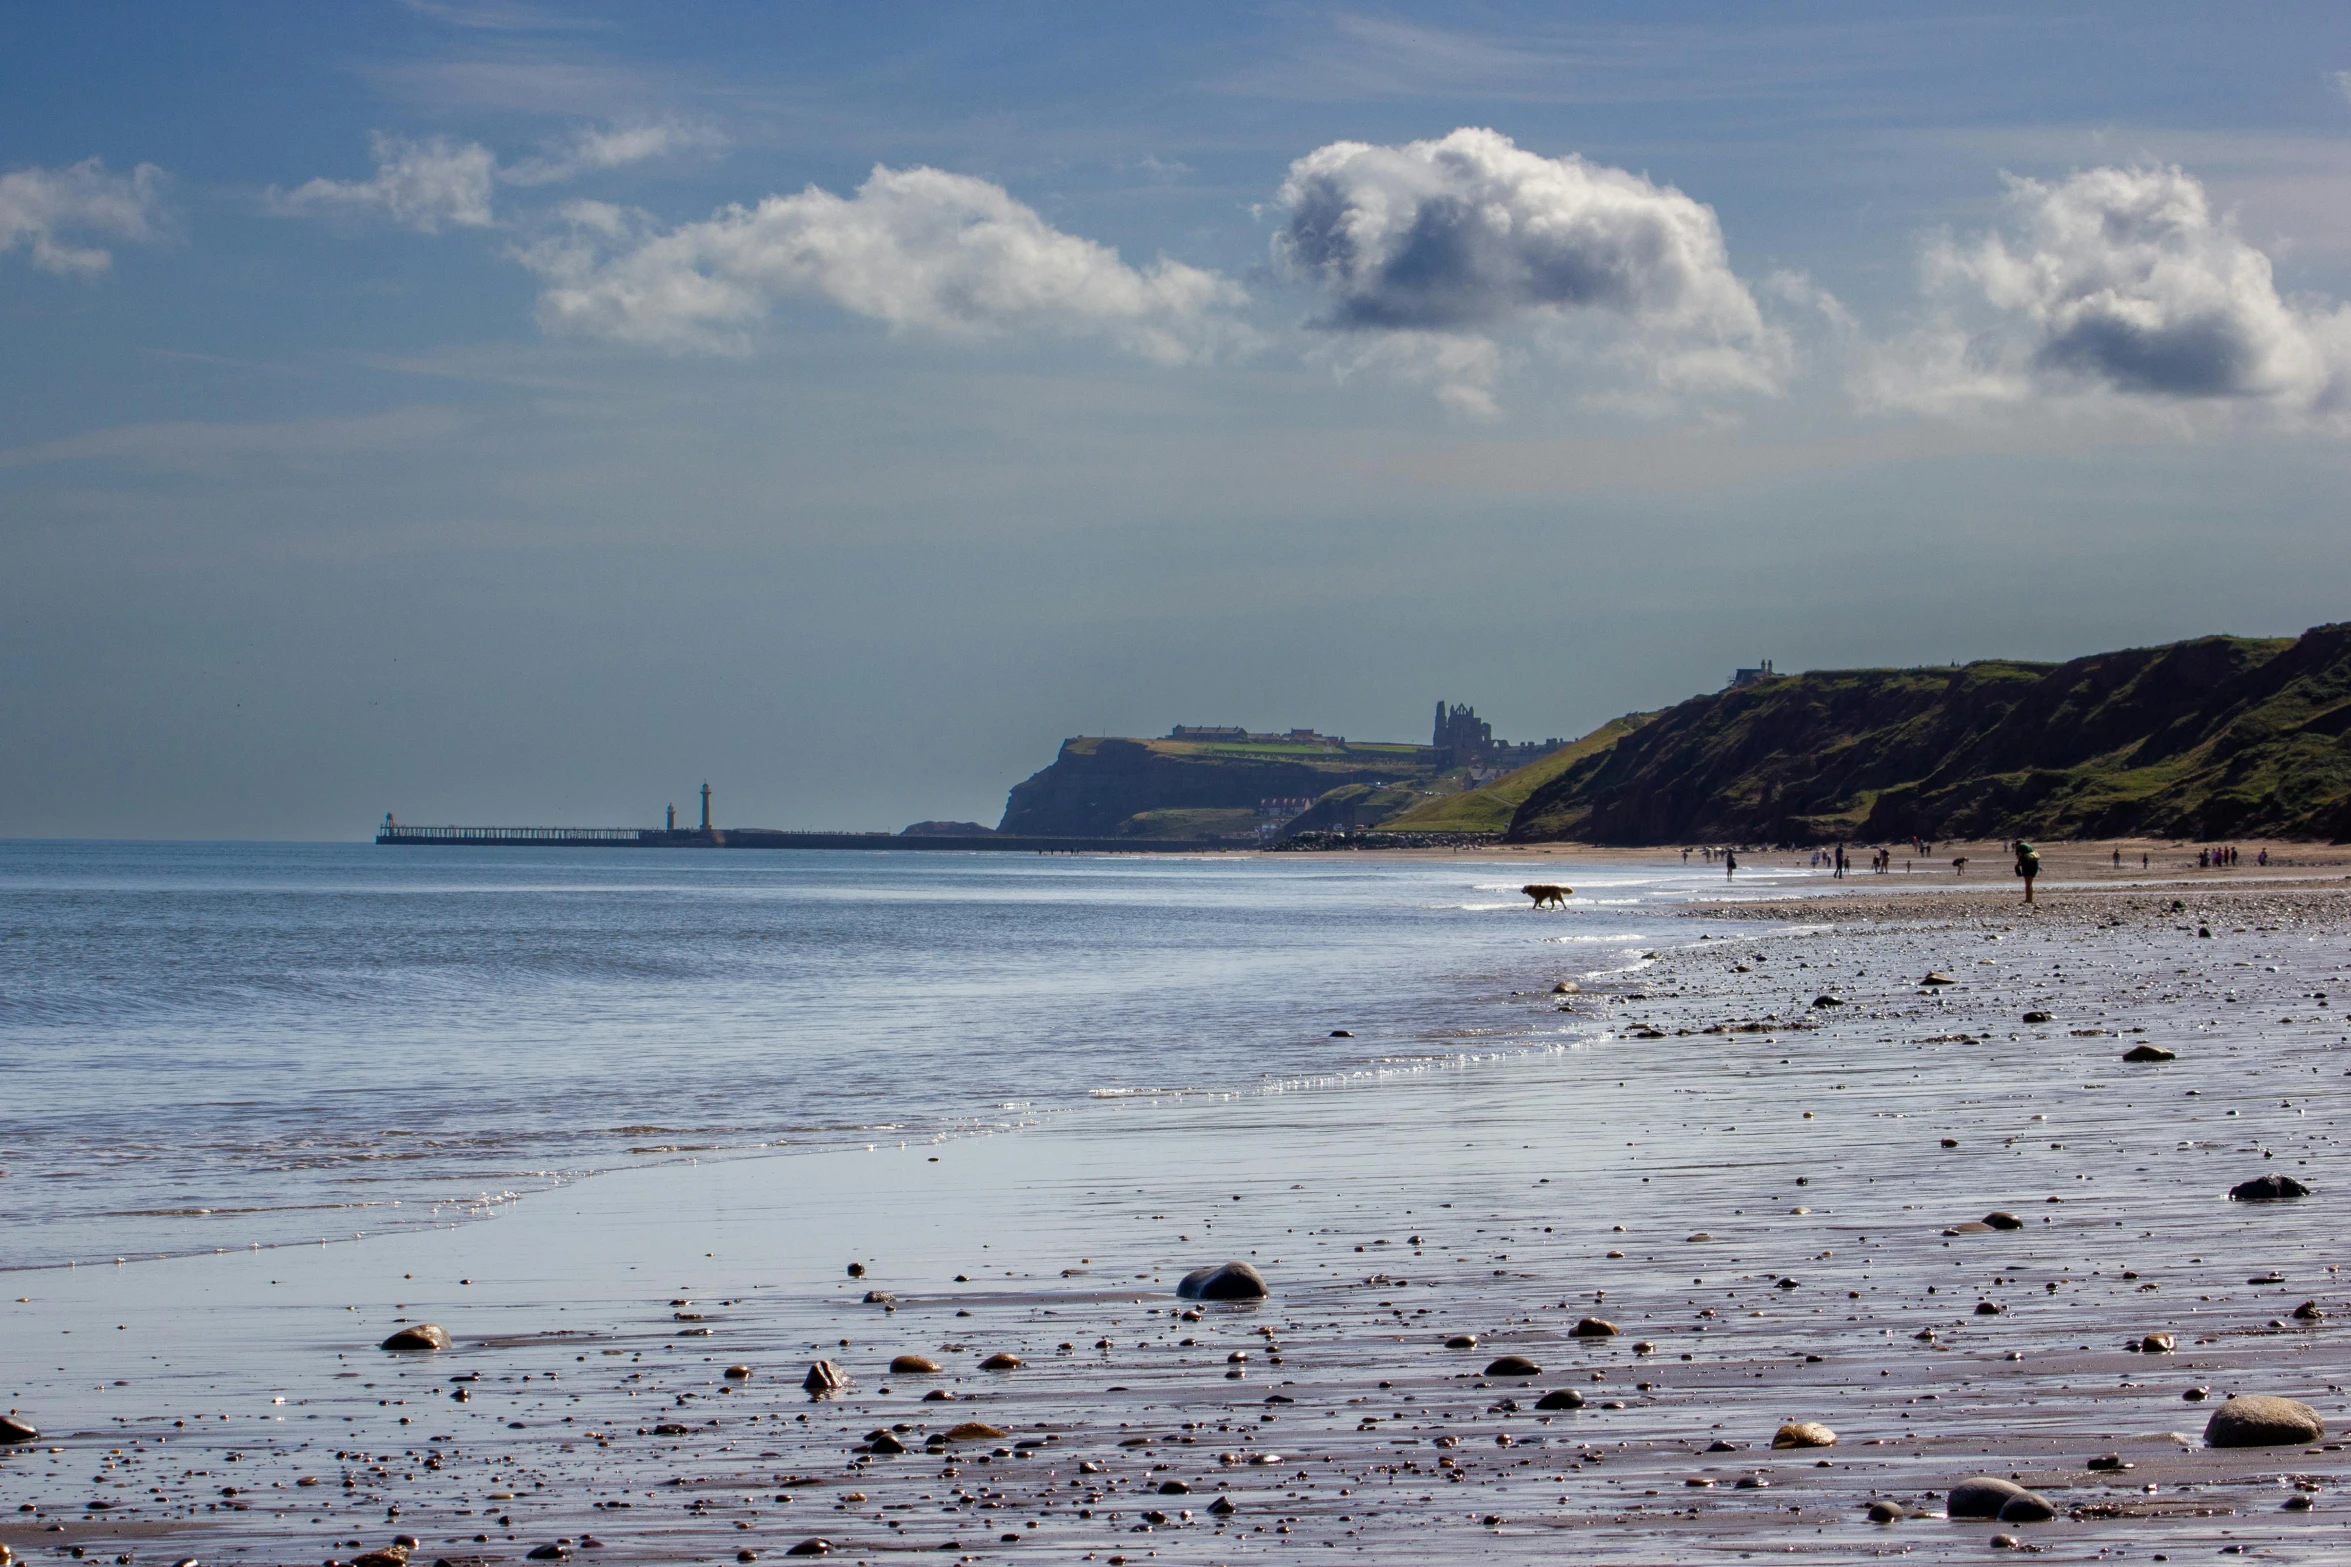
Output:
x,y
2299,1502
2038,1017
2268,1188
2158,1344
2027,1508
1563,1398
1804,1433
824,1377
913,1366
1938,979
2109,1462
1593,1327
1950,1142
880,1298
1342,1033
1988,1496
2197,1395
421,1336
1001,1361
1567,987
1223,1281
15,1430
1513,1366
1883,1511
1828,1001
1462,1341
2006,1542
1174,1488
669,1428
2308,1312
1988,1308
1999,1220
2261,1420
2144,1053
885,1443
857,1270
738,1373
390,1556
1223,1507
811,1547
546,1553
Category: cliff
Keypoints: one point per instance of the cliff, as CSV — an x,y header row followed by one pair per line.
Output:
x,y
2220,736
1490,808
1098,786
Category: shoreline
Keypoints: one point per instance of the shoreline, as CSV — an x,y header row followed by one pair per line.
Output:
x,y
1518,1225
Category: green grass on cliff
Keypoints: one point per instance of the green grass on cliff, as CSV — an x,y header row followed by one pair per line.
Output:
x,y
1490,808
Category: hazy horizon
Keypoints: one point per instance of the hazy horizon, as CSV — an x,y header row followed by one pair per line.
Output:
x,y
492,411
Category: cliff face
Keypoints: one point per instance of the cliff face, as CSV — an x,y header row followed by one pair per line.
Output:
x,y
1096,786
2219,736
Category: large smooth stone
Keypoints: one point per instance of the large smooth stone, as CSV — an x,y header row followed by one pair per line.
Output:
x,y
421,1336
914,1366
1989,1496
1804,1433
1561,1398
1593,1327
1513,1366
1223,1281
15,1430
2262,1420
824,1377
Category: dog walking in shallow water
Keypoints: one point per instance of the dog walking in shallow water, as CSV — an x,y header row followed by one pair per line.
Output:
x,y
1546,895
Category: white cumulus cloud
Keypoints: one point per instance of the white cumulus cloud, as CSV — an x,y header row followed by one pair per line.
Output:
x,y
1424,251
422,185
915,248
53,212
2112,281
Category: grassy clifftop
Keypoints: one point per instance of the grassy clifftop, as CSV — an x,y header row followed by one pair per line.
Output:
x,y
1099,785
1490,808
2219,736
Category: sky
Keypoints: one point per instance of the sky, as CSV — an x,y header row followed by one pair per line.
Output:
x,y
512,413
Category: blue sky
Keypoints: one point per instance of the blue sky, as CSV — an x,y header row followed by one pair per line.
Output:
x,y
516,412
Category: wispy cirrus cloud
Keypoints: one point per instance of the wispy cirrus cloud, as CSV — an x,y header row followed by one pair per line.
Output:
x,y
437,183
53,213
916,249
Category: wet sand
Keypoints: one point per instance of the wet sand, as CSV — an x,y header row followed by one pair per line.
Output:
x,y
1765,1195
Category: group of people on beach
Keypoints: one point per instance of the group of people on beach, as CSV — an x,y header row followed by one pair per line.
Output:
x,y
2225,855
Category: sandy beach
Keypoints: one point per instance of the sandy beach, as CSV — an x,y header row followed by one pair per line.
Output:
x,y
1767,1164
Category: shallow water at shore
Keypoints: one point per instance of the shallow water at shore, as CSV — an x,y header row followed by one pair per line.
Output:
x,y
1784,1191
214,1046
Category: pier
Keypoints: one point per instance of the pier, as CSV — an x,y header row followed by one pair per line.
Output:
x,y
672,836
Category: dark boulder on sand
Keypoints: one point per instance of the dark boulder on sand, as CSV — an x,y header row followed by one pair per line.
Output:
x,y
422,1336
1988,1496
15,1430
2268,1188
1563,1398
2141,1054
1223,1281
824,1377
2261,1420
1513,1366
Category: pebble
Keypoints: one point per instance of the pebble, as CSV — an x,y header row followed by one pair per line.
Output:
x,y
1804,1433
1462,1341
1988,1496
1563,1398
15,1430
1883,1511
2268,1188
2308,1312
1001,1361
2038,1017
913,1366
2141,1053
2002,1220
421,1336
2263,1420
2158,1344
1513,1366
1593,1327
2109,1461
818,1546
1223,1281
738,1373
824,1377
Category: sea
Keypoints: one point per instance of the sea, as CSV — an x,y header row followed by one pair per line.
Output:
x,y
209,1046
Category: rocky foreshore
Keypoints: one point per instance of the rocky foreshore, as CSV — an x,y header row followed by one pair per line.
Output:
x,y
1833,1227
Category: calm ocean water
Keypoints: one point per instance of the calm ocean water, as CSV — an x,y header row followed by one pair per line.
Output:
x,y
222,1045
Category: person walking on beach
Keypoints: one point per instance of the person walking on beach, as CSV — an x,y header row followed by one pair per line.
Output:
x,y
1730,862
2028,865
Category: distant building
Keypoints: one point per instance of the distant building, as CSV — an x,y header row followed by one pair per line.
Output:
x,y
1749,677
1468,741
